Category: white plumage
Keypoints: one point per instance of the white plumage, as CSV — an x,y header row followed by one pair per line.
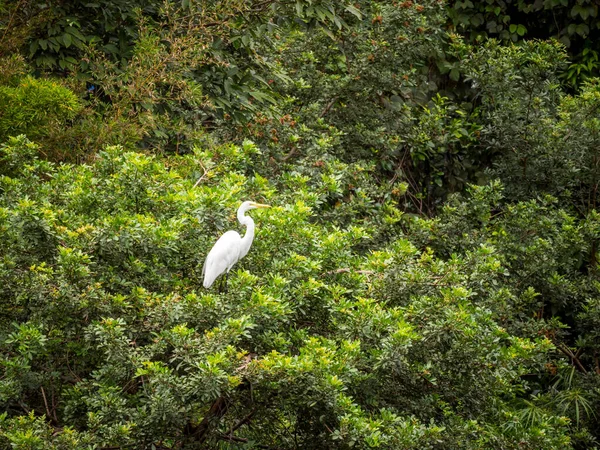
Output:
x,y
230,247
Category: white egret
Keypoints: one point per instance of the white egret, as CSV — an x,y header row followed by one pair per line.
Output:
x,y
230,247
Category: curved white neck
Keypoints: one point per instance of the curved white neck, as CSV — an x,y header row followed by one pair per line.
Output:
x,y
249,236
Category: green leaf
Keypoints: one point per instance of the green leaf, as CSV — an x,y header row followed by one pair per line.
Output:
x,y
67,40
328,32
75,33
111,48
227,85
353,10
454,74
582,29
262,96
320,13
33,47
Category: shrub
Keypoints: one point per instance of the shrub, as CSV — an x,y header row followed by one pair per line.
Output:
x,y
35,107
317,344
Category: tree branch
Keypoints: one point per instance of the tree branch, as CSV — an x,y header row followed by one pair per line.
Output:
x,y
328,106
347,270
199,433
242,422
51,417
567,351
203,175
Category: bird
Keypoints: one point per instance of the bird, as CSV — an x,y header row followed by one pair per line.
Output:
x,y
230,247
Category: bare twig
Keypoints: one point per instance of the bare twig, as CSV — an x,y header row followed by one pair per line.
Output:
x,y
328,107
54,408
121,447
347,270
77,377
289,155
24,407
51,417
12,16
436,283
399,167
203,175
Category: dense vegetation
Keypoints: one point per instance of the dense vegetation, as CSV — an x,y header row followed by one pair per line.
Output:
x,y
428,276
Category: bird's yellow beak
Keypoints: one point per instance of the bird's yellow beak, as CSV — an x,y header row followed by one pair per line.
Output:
x,y
260,205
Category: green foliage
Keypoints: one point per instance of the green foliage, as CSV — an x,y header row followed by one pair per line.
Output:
x,y
54,34
572,22
535,282
539,139
169,66
368,92
34,107
353,322
309,345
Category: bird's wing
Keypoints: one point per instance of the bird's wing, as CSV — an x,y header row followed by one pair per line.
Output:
x,y
224,254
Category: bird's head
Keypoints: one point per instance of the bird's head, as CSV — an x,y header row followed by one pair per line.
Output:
x,y
247,206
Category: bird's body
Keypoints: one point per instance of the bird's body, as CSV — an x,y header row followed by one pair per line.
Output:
x,y
222,257
230,247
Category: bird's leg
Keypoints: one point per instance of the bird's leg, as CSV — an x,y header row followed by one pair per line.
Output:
x,y
226,278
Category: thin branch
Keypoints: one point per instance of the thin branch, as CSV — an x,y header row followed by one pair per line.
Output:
x,y
399,167
289,155
54,408
77,377
347,270
24,407
429,283
242,422
328,107
120,447
203,175
232,438
12,16
567,351
51,416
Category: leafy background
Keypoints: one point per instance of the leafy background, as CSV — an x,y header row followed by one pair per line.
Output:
x,y
426,279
